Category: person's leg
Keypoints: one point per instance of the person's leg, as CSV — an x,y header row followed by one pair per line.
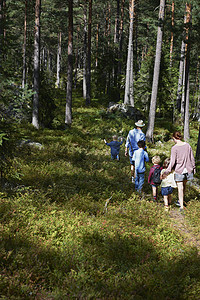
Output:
x,y
154,191
180,192
137,182
184,187
166,202
169,199
132,171
141,181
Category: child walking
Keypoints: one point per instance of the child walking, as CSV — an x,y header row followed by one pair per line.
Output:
x,y
114,147
140,157
167,184
154,176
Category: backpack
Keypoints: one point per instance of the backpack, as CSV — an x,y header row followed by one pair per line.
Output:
x,y
156,175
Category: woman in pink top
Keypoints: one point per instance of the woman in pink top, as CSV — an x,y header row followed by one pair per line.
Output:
x,y
182,161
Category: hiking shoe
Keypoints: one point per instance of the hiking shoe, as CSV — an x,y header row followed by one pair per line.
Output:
x,y
132,179
177,203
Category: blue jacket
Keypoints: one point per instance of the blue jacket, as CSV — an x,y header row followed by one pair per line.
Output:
x,y
115,147
134,136
140,156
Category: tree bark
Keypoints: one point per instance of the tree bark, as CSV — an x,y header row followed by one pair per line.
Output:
x,y
85,50
187,100
88,90
121,27
129,64
198,147
2,26
36,72
24,48
187,71
68,112
180,79
58,59
172,35
152,110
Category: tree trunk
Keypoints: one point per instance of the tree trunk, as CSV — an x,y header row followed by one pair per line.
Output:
x,y
187,82
68,112
97,43
24,48
131,82
198,147
36,72
88,90
2,25
116,35
129,56
121,37
172,35
180,79
187,100
183,93
84,50
76,58
58,59
152,110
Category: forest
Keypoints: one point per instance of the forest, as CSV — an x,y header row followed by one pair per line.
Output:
x,y
73,73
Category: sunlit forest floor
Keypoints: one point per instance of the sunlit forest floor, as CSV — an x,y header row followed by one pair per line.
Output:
x,y
73,227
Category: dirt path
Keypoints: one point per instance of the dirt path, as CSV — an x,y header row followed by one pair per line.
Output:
x,y
185,229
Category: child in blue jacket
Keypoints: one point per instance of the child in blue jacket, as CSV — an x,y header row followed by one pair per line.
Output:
x,y
140,157
114,147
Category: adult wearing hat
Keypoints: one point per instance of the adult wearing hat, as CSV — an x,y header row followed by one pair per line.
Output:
x,y
134,136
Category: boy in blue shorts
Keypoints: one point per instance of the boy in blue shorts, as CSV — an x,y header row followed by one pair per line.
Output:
x,y
140,157
114,147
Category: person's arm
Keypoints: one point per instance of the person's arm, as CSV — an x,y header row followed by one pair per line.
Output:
x,y
172,161
146,157
192,160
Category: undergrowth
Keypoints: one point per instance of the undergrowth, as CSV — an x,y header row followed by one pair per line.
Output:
x,y
72,226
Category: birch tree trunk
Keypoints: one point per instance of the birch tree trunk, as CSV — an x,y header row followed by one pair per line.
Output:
x,y
68,111
24,48
152,110
36,72
129,56
58,59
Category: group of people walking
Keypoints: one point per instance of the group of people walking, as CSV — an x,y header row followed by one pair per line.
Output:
x,y
174,172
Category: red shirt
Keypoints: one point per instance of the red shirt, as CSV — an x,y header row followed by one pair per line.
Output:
x,y
150,177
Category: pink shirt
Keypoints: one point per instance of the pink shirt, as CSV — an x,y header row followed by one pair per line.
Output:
x,y
181,157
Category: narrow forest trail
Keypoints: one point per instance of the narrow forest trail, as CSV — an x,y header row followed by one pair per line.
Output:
x,y
186,230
